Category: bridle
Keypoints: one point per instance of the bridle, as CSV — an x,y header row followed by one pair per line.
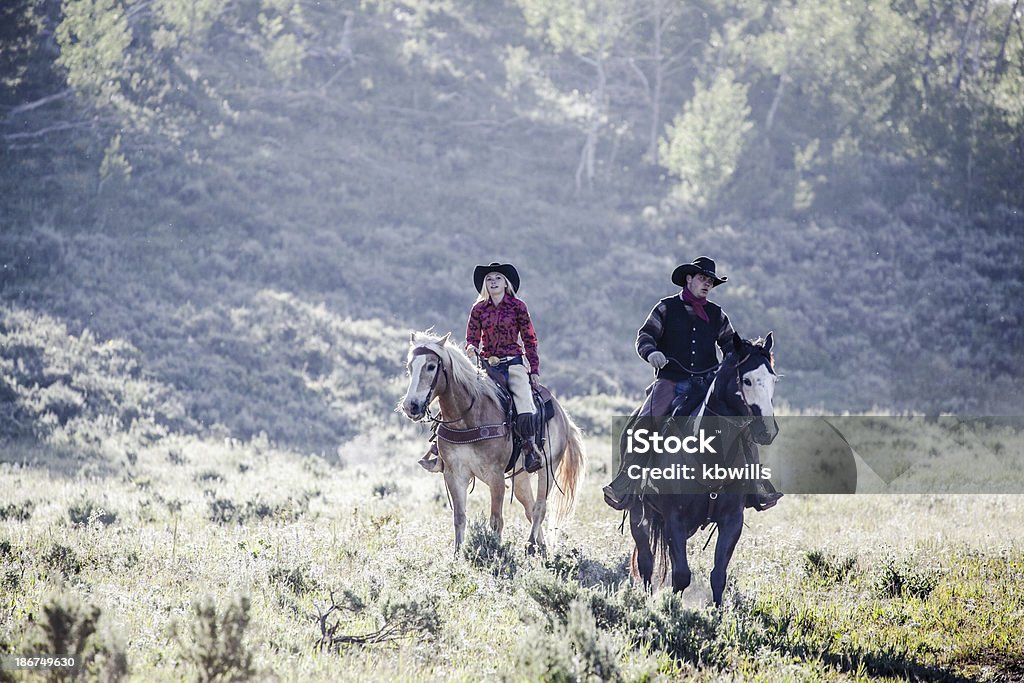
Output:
x,y
744,421
441,369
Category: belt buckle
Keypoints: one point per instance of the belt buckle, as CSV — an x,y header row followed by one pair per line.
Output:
x,y
494,361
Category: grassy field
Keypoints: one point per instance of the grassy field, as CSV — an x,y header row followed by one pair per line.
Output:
x,y
192,559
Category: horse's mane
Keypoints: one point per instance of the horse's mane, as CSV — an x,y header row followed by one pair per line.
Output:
x,y
757,342
463,371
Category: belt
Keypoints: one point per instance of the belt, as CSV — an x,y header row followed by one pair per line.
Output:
x,y
495,361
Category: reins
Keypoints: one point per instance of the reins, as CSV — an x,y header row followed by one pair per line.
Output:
x,y
427,417
694,373
482,432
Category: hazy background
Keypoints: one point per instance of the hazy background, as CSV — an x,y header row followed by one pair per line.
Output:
x,y
225,217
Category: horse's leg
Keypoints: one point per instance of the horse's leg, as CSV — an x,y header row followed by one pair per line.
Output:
x,y
497,486
540,508
640,528
675,535
729,530
457,482
524,494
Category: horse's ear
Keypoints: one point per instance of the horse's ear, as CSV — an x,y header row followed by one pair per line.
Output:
x,y
737,343
444,340
768,342
412,337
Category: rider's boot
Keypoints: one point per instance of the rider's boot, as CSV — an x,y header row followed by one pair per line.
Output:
x,y
618,494
431,461
524,425
621,492
764,495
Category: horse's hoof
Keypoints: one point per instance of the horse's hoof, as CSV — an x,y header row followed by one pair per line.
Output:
x,y
536,549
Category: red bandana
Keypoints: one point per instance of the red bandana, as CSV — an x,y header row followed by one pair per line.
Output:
x,y
698,304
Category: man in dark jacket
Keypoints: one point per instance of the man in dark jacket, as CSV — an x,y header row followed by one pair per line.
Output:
x,y
678,340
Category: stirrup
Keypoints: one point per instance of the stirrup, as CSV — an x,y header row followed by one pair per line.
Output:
x,y
531,460
432,462
614,501
766,501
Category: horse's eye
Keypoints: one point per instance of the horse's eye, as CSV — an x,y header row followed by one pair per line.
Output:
x,y
747,382
431,367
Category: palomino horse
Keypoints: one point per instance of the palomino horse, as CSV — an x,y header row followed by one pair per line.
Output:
x,y
739,399
469,400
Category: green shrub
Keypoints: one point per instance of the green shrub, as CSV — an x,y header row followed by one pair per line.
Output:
x,y
574,651
69,627
58,385
63,559
11,581
572,565
484,549
556,597
685,634
827,569
899,578
385,489
296,579
223,511
19,512
209,476
86,512
215,643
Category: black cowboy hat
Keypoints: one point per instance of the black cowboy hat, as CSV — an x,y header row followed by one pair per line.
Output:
x,y
506,269
702,265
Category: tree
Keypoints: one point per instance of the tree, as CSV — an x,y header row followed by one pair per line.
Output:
x,y
702,145
590,31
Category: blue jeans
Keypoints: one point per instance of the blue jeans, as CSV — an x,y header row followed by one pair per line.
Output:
x,y
667,396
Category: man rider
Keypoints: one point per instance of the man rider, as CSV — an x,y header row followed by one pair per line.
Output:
x,y
678,340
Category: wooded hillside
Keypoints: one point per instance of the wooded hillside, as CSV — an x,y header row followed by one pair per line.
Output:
x,y
256,200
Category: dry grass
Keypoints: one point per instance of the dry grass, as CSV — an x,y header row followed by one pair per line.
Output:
x,y
380,530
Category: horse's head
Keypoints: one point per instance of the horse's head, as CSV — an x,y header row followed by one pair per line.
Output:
x,y
750,386
428,376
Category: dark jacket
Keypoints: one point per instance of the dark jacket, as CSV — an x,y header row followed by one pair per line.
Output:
x,y
686,340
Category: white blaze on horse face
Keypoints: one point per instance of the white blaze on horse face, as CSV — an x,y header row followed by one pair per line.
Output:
x,y
758,388
419,385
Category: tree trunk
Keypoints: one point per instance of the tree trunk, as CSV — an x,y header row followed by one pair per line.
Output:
x,y
659,77
770,118
1001,57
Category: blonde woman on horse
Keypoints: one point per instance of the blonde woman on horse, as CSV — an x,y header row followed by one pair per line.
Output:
x,y
497,323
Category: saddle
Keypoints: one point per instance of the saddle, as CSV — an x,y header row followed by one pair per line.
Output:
x,y
544,410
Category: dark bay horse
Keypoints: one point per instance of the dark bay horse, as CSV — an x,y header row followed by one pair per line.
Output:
x,y
469,400
740,400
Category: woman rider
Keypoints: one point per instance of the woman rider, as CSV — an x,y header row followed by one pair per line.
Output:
x,y
497,321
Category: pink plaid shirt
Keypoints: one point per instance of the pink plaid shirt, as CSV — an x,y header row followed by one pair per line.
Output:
x,y
495,330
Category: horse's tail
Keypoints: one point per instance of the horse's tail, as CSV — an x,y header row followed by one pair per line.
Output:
x,y
572,467
659,541
659,549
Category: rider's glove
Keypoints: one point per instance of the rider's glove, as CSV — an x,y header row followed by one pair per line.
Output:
x,y
657,360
